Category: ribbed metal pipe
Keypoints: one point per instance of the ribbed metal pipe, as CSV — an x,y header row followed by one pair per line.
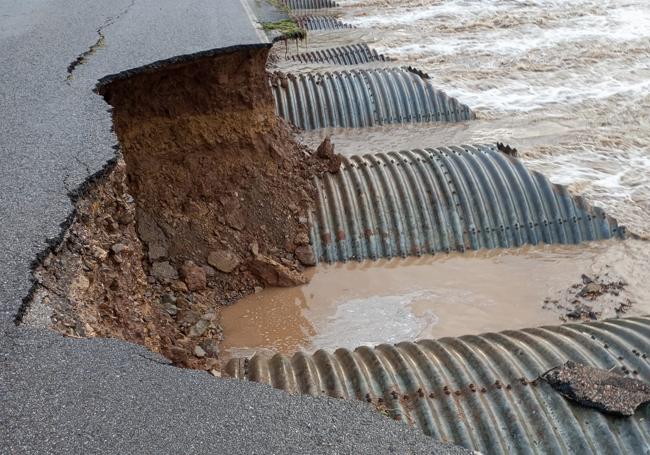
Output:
x,y
481,392
446,199
320,23
354,54
361,98
310,4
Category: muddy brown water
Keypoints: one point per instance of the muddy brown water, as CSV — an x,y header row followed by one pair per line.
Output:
x,y
368,303
567,82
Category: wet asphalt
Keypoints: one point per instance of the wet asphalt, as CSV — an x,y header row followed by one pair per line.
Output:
x,y
64,395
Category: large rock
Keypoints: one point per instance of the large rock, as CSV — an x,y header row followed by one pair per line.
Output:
x,y
194,276
164,271
223,260
325,151
272,273
305,254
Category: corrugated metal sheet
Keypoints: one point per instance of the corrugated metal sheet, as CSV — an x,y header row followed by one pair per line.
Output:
x,y
418,202
481,392
354,54
320,23
310,4
362,98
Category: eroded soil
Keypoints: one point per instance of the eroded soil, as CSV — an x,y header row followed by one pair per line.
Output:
x,y
208,204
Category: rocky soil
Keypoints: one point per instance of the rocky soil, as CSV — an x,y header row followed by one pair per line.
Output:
x,y
598,297
209,203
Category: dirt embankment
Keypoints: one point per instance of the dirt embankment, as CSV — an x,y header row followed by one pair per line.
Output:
x,y
209,203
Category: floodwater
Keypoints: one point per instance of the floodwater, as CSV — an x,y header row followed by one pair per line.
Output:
x,y
567,82
368,303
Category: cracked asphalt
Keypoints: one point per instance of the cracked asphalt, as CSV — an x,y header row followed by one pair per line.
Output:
x,y
64,395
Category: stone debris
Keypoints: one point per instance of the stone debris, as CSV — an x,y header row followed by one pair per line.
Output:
x,y
272,273
194,276
305,254
593,298
164,271
223,260
607,391
199,328
302,238
325,151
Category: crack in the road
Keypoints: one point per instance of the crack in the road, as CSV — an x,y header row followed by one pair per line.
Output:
x,y
83,57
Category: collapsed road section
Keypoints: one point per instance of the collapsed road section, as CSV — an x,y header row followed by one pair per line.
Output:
x,y
212,199
209,203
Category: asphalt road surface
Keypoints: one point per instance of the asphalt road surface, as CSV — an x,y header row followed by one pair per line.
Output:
x,y
64,395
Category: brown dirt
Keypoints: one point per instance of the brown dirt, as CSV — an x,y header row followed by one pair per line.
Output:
x,y
210,177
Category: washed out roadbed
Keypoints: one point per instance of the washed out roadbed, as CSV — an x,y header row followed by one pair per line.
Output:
x,y
208,202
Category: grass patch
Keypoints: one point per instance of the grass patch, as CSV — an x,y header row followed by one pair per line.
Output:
x,y
288,28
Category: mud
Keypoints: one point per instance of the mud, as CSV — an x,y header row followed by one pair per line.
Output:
x,y
209,203
369,303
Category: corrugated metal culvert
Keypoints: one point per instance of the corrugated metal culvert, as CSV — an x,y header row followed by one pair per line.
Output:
x,y
361,98
445,199
310,4
354,54
481,392
320,23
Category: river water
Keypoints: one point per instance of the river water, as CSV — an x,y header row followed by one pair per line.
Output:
x,y
567,82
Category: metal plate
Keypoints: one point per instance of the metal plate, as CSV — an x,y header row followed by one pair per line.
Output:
x,y
320,23
361,98
446,199
354,54
481,392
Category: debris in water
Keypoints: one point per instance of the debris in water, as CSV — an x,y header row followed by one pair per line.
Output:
x,y
506,149
326,152
607,391
594,298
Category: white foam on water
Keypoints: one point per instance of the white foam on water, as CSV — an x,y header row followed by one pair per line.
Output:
x,y
468,45
617,182
373,320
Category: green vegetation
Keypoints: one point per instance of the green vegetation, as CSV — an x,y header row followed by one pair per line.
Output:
x,y
288,28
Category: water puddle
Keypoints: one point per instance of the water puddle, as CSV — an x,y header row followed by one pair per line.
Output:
x,y
369,303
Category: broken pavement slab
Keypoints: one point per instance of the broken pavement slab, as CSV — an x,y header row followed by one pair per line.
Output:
x,y
606,390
